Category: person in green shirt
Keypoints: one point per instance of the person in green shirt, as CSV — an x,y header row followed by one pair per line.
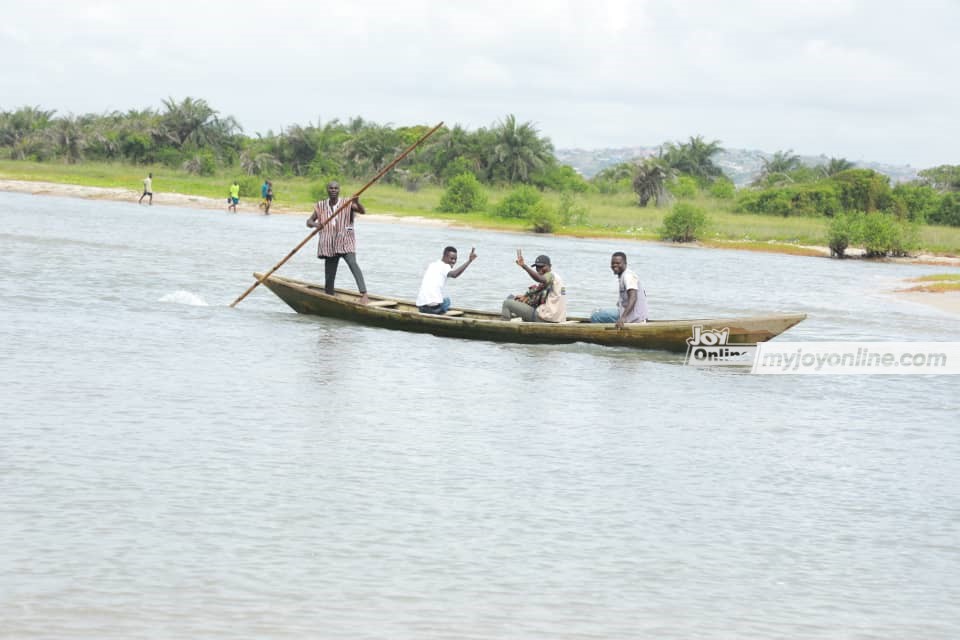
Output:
x,y
147,189
234,198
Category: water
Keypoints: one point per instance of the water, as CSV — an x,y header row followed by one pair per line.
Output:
x,y
171,467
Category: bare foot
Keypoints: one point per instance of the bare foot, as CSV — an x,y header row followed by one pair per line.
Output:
x,y
364,299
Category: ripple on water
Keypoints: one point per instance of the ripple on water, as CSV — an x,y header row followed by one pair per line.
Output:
x,y
184,297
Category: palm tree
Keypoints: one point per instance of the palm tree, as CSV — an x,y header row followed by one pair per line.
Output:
x,y
650,180
519,150
67,139
21,130
694,158
782,162
258,164
453,151
777,168
618,172
139,133
371,148
297,147
835,166
194,123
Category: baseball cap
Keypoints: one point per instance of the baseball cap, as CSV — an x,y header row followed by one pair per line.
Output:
x,y
542,261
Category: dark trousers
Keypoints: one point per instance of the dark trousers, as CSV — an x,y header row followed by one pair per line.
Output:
x,y
330,272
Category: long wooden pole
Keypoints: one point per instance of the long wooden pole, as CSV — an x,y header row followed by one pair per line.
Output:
x,y
342,207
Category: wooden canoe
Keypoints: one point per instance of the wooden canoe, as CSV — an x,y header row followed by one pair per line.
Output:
x,y
402,315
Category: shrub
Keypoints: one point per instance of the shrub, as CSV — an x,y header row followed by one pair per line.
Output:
x,y
519,203
882,235
820,199
610,187
249,186
323,166
411,179
456,167
843,231
877,234
943,178
318,190
683,187
907,239
723,189
463,194
948,212
570,211
561,178
863,190
914,202
135,145
684,224
168,157
202,164
542,218
769,201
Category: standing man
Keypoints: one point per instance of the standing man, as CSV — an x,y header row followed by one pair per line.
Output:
x,y
431,298
234,198
263,193
147,189
632,303
545,301
337,239
268,198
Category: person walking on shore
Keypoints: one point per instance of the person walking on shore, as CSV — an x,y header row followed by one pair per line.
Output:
x,y
263,193
234,198
147,189
337,239
268,198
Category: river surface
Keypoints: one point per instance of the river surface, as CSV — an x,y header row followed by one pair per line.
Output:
x,y
174,468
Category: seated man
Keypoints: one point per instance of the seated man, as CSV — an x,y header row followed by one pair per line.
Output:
x,y
545,301
431,298
632,303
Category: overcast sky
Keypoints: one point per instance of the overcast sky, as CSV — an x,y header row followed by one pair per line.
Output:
x,y
864,80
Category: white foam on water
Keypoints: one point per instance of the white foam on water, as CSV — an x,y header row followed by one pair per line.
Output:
x,y
185,297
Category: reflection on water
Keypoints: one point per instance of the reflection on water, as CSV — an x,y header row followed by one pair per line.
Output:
x,y
171,467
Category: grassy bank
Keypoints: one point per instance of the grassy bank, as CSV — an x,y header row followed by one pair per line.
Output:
x,y
613,215
936,283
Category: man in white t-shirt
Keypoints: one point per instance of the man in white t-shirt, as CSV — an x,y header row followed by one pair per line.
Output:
x,y
432,298
632,303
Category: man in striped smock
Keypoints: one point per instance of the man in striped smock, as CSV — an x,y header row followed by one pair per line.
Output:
x,y
337,239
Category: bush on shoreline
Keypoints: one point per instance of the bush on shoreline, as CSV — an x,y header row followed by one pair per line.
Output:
x,y
879,234
463,194
685,223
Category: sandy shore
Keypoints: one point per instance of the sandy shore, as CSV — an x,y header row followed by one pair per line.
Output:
x,y
948,301
177,200
250,206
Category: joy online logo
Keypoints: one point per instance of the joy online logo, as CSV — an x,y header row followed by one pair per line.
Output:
x,y
710,347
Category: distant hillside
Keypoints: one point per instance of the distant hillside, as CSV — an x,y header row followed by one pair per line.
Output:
x,y
740,165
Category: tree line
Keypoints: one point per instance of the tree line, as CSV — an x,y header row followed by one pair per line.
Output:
x,y
192,136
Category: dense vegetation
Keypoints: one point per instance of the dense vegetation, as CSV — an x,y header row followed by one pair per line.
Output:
x,y
507,171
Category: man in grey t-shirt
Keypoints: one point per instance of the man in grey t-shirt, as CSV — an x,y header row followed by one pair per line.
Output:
x,y
632,303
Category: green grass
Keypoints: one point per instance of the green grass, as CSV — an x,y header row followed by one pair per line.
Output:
x,y
608,215
938,277
936,287
936,283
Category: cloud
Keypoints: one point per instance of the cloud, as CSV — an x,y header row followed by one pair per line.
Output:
x,y
866,80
